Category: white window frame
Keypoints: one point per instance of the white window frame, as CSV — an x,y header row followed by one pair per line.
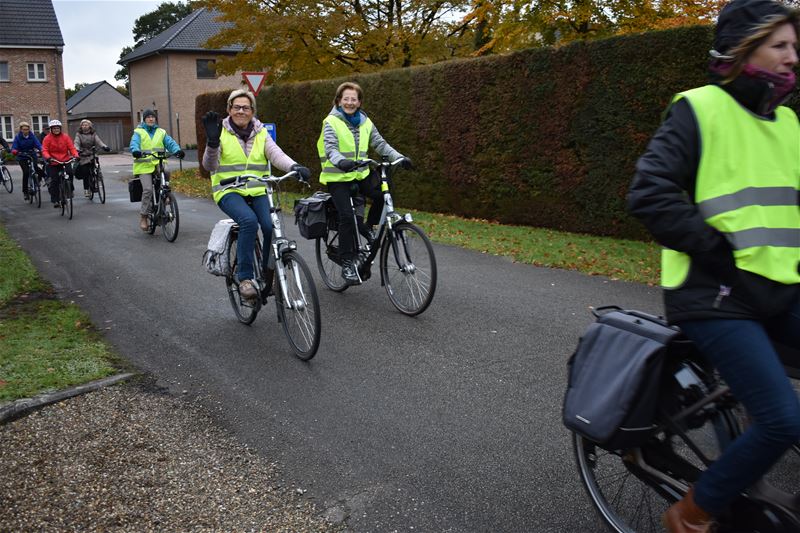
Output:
x,y
8,73
37,71
39,122
7,120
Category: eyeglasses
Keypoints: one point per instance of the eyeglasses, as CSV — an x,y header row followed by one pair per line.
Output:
x,y
241,108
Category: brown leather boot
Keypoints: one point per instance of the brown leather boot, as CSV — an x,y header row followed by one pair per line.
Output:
x,y
144,223
686,516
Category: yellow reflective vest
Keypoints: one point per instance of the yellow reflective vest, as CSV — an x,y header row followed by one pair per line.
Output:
x,y
347,147
147,164
233,162
747,186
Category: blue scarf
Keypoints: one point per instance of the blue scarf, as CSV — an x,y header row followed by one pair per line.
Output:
x,y
354,119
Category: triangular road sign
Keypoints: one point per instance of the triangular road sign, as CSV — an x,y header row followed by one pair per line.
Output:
x,y
255,80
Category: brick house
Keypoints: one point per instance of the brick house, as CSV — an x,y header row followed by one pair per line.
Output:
x,y
107,108
170,70
31,69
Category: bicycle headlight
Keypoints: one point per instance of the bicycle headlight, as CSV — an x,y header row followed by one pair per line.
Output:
x,y
407,217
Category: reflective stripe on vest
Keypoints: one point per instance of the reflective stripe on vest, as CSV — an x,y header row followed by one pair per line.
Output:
x,y
147,164
347,147
233,162
747,185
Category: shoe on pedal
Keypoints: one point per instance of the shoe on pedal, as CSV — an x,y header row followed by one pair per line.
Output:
x,y
144,223
349,273
57,205
247,290
87,193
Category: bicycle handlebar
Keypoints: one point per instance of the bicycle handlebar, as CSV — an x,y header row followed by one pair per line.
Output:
x,y
361,163
67,162
158,154
238,181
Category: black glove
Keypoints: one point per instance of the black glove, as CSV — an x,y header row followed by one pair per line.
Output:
x,y
346,165
213,126
136,154
106,149
719,262
302,172
406,163
181,154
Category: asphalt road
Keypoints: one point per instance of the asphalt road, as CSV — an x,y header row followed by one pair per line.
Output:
x,y
450,421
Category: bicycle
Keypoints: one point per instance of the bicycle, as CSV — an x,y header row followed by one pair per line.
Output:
x,y
408,275
97,185
34,180
65,188
295,295
697,417
5,175
164,211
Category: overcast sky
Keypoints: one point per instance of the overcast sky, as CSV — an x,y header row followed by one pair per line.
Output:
x,y
94,33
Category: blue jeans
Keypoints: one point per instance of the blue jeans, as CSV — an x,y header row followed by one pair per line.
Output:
x,y
249,212
744,355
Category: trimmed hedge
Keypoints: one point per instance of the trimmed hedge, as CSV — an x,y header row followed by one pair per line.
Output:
x,y
540,137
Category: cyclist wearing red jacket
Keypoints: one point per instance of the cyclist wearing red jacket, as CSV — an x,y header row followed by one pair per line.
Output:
x,y
57,147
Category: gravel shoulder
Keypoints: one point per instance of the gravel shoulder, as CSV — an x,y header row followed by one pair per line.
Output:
x,y
132,458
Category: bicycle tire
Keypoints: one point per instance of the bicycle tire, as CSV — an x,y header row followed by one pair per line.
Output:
x,y
327,251
410,281
245,311
8,183
300,316
170,218
68,198
625,502
38,192
101,187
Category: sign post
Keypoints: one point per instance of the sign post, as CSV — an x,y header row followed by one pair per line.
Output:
x,y
254,80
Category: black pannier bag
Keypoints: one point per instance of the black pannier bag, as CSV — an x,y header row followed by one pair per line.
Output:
x,y
311,215
135,190
615,377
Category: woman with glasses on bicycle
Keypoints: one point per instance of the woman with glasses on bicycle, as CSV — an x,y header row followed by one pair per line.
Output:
x,y
85,140
347,135
240,140
149,137
718,187
26,143
57,147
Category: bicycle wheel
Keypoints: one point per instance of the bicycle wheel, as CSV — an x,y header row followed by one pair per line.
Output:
x,y
299,315
408,268
39,186
101,186
627,497
170,221
8,183
67,198
245,310
31,186
328,262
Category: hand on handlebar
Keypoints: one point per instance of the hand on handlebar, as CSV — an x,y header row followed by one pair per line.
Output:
x,y
346,165
137,154
180,154
406,163
303,174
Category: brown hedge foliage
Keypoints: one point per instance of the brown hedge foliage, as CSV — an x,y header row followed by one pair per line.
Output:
x,y
541,137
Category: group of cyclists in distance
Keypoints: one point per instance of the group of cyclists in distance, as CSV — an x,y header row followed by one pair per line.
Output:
x,y
717,187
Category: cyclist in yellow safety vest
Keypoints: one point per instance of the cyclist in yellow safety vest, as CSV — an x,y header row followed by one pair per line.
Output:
x,y
346,137
149,137
718,188
240,144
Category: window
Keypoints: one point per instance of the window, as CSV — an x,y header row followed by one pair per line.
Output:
x,y
36,72
3,70
39,122
206,68
7,127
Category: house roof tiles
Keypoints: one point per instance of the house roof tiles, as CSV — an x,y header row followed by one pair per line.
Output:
x,y
29,23
187,35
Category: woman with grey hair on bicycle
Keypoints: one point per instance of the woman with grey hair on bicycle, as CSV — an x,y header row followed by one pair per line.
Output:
x,y
347,135
718,187
240,144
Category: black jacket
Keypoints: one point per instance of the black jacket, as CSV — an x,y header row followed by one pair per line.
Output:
x,y
661,197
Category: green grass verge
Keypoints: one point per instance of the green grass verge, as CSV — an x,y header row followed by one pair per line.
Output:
x,y
45,344
600,256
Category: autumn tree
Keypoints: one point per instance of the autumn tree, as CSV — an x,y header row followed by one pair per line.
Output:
x,y
69,93
512,24
310,39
